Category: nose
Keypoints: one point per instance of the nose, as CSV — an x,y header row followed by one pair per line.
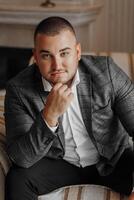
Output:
x,y
56,64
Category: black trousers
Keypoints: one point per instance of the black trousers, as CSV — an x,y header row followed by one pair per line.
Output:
x,y
48,174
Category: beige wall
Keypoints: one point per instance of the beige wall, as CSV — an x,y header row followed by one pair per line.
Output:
x,y
112,31
17,21
114,28
38,2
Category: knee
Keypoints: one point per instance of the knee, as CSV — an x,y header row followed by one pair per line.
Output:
x,y
18,185
16,178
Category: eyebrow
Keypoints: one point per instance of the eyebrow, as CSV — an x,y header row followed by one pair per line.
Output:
x,y
61,50
67,48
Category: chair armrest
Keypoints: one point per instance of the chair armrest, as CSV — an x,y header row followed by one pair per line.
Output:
x,y
4,159
2,184
4,166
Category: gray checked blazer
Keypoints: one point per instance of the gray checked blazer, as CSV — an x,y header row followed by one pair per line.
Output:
x,y
106,97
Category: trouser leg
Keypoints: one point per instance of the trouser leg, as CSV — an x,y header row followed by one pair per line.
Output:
x,y
120,180
43,177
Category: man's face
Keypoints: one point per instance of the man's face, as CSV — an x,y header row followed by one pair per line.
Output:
x,y
57,56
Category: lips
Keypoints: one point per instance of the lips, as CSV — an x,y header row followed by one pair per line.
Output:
x,y
57,73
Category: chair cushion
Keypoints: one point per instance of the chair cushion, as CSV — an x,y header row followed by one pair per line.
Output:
x,y
2,123
2,184
83,192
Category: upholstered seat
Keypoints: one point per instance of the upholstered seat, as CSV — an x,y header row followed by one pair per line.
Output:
x,y
84,192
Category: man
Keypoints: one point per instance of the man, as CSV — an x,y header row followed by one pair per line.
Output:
x,y
68,119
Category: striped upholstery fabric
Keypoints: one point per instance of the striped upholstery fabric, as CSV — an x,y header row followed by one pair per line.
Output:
x,y
2,183
85,192
2,124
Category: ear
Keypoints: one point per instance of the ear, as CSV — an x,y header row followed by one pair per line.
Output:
x,y
78,48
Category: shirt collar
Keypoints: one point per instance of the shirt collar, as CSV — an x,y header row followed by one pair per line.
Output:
x,y
47,86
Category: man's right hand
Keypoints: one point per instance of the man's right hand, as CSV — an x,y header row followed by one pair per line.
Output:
x,y
57,103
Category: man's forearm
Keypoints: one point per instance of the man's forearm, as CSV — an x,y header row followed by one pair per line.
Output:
x,y
30,147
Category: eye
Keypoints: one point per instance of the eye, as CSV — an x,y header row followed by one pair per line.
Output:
x,y
45,56
64,54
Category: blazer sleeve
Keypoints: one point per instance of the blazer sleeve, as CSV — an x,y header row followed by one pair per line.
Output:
x,y
28,138
123,89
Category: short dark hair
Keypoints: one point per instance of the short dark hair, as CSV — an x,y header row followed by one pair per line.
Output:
x,y
52,26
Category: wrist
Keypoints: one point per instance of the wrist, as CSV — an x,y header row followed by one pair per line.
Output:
x,y
51,121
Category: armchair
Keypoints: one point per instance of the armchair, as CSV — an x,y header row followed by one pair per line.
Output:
x,y
82,192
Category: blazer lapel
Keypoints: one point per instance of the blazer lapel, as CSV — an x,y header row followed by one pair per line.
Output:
x,y
84,90
39,87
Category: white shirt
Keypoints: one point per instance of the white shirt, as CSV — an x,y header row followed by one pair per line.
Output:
x,y
79,149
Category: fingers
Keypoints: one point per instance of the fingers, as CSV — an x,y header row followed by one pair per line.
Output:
x,y
57,86
68,93
62,89
57,102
